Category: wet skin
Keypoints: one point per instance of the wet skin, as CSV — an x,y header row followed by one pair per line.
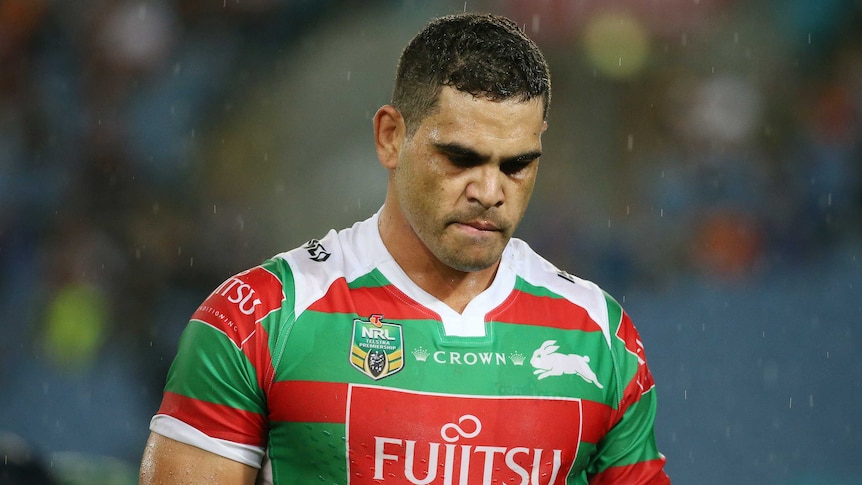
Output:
x,y
458,187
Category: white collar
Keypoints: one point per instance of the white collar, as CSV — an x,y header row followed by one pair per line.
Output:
x,y
469,323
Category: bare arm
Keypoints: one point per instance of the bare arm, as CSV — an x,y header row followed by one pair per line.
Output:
x,y
171,462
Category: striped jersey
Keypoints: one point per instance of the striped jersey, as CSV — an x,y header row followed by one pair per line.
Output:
x,y
327,364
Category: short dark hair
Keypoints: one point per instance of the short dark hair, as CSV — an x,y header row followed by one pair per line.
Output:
x,y
482,54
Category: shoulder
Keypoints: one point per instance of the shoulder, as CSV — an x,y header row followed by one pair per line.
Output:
x,y
313,268
537,275
243,300
537,270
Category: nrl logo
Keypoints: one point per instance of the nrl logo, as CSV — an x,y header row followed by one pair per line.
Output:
x,y
376,350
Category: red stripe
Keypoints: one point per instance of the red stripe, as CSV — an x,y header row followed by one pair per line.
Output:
x,y
308,402
238,304
643,473
630,337
642,381
596,420
388,300
544,311
330,406
216,420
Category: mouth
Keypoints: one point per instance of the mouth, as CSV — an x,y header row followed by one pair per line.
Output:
x,y
478,226
483,225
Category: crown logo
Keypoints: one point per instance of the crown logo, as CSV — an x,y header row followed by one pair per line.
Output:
x,y
517,358
421,354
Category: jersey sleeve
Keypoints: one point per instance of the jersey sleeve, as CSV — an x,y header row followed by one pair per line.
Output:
x,y
628,452
215,393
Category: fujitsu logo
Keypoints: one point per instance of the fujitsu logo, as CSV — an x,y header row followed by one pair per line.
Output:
x,y
462,460
236,291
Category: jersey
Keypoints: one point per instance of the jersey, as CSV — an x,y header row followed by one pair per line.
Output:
x,y
327,364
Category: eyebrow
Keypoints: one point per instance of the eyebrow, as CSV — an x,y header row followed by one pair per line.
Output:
x,y
468,153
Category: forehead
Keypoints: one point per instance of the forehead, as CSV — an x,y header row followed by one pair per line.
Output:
x,y
486,125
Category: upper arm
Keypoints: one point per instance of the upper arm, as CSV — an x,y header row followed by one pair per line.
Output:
x,y
170,461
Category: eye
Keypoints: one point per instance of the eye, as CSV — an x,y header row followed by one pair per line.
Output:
x,y
463,161
515,167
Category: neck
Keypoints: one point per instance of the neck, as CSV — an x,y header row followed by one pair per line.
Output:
x,y
453,287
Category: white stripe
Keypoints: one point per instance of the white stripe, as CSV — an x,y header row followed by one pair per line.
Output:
x,y
173,428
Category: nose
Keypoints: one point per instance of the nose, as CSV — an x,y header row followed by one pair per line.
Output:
x,y
486,187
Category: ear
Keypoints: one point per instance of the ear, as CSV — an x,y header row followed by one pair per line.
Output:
x,y
389,134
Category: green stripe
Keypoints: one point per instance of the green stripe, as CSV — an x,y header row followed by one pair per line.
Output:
x,y
522,285
319,349
615,313
205,350
634,441
320,458
374,279
277,322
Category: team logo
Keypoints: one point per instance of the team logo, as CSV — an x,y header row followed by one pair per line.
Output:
x,y
316,251
548,362
377,348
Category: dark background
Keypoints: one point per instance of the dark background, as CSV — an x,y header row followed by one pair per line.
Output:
x,y
703,164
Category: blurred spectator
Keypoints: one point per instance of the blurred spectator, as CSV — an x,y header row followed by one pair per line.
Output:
x,y
21,465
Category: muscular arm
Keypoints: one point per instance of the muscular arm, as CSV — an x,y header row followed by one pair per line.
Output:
x,y
171,462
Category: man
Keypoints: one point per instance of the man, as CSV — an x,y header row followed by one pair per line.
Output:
x,y
424,345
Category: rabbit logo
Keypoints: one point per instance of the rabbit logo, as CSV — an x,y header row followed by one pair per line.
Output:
x,y
548,363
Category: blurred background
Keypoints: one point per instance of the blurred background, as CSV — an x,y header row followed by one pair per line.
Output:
x,y
703,164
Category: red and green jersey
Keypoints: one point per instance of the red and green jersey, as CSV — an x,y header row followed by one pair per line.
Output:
x,y
327,364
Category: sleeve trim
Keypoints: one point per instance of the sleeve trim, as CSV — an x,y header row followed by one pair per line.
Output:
x,y
175,429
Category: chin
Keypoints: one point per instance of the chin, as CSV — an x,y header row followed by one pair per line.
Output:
x,y
466,265
470,255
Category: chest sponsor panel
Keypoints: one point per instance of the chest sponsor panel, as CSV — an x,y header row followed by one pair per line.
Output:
x,y
403,437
